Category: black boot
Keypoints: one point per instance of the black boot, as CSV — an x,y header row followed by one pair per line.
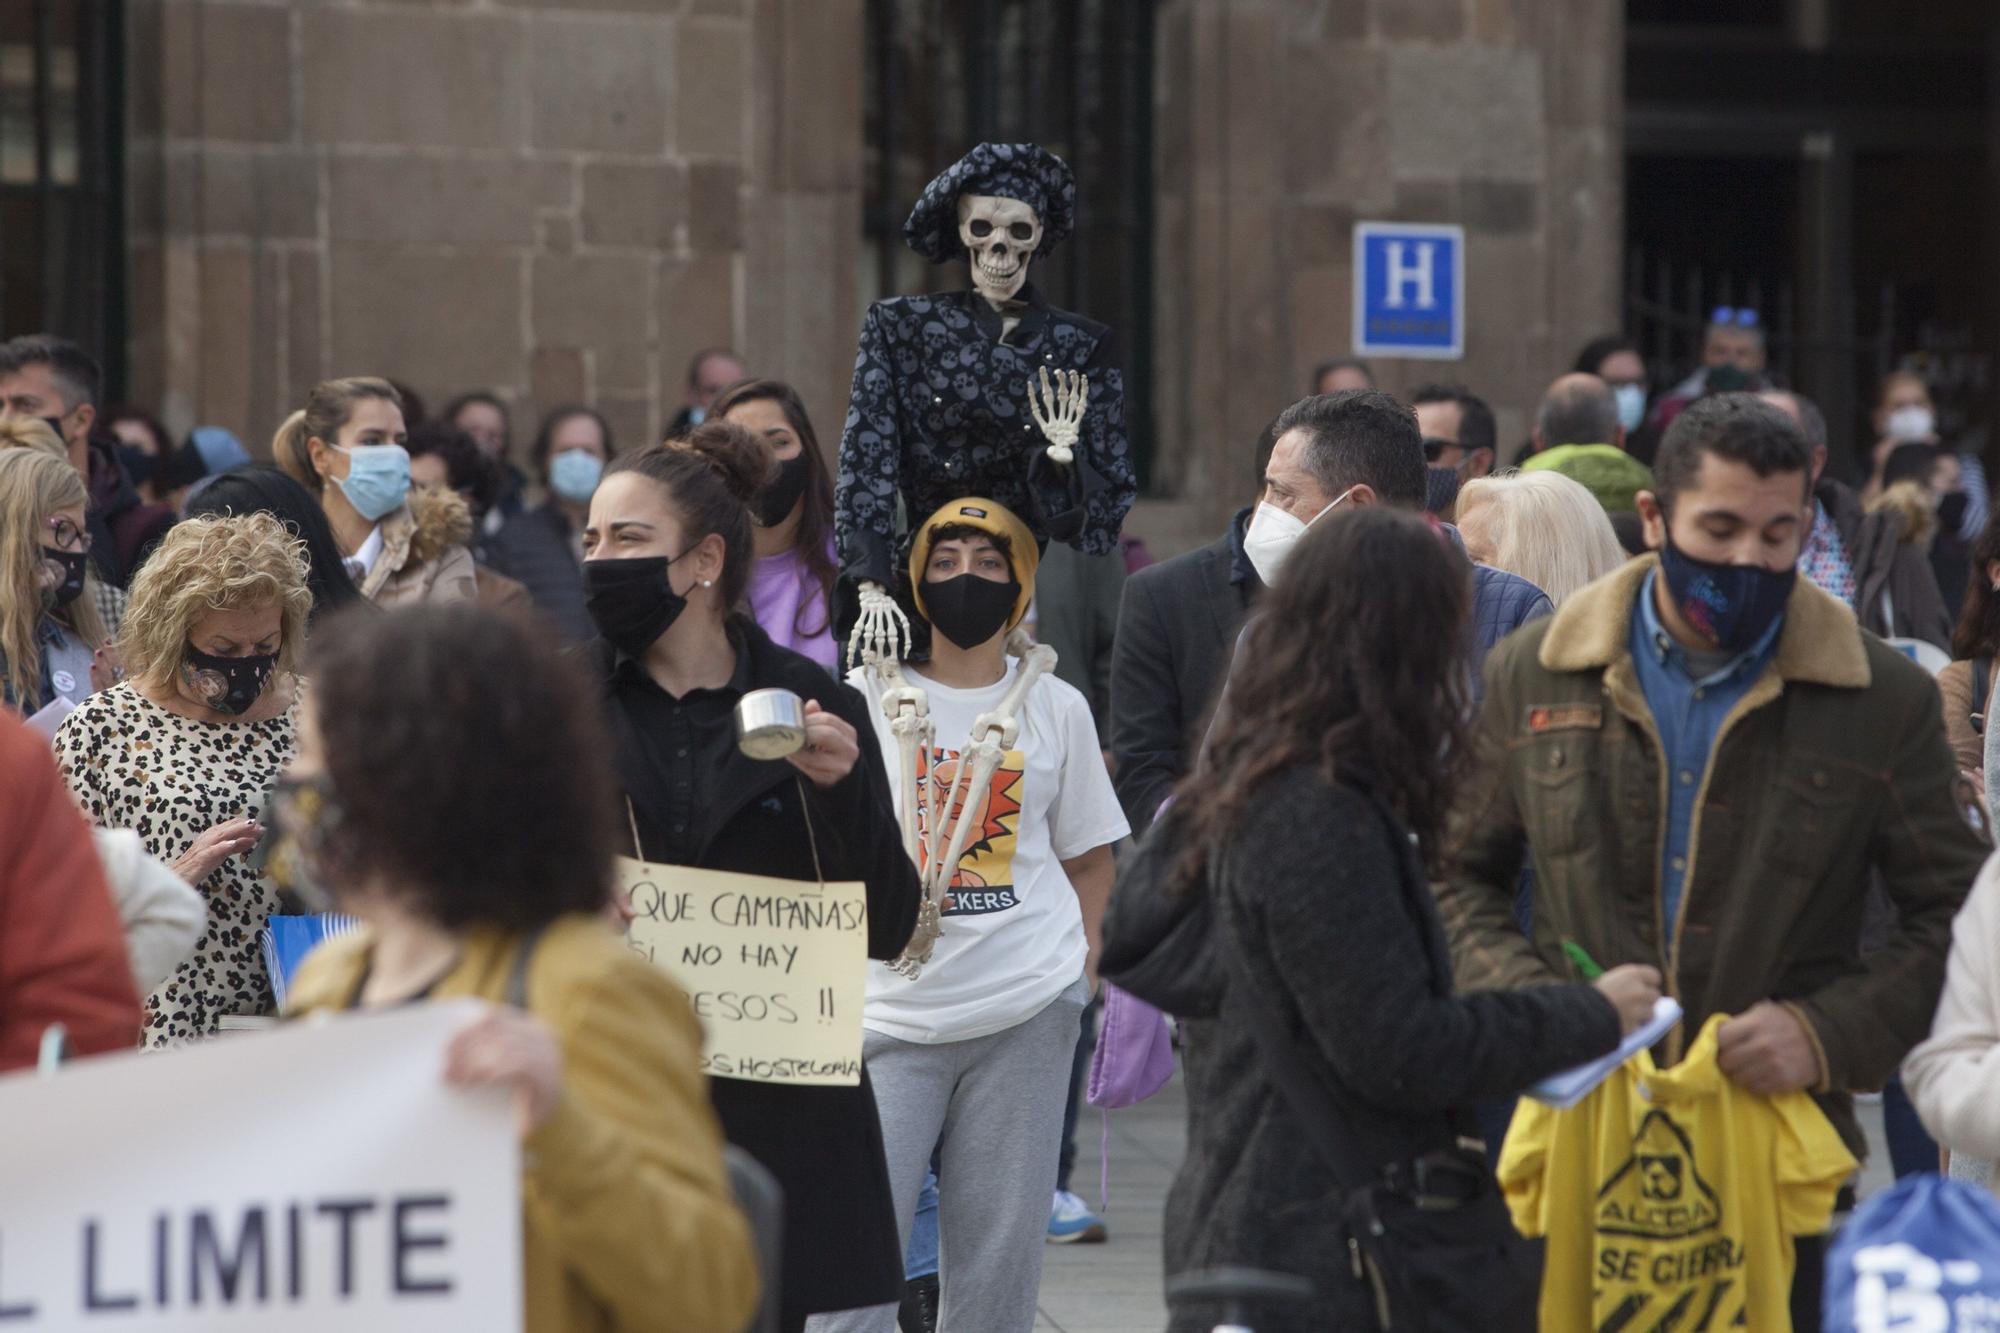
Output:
x,y
920,1305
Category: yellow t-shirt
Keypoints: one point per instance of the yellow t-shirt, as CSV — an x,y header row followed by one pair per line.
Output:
x,y
1670,1197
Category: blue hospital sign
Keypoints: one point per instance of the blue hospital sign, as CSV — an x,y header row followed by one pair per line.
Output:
x,y
1409,290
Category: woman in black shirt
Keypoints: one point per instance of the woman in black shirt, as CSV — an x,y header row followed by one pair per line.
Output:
x,y
668,551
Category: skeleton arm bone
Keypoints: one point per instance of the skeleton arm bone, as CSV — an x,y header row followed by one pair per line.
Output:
x,y
909,712
993,734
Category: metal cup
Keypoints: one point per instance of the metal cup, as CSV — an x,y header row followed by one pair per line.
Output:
x,y
770,724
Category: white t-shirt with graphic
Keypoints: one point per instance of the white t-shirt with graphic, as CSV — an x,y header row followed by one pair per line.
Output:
x,y
1013,935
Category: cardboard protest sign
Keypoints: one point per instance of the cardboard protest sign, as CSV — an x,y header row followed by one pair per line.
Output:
x,y
314,1178
777,968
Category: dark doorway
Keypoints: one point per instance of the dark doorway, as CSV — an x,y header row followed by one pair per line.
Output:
x,y
62,236
1823,162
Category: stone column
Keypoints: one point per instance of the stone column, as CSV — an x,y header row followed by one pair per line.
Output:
x,y
1283,122
802,305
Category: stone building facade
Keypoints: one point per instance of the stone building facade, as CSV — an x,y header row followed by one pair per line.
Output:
x,y
564,199
1283,122
560,201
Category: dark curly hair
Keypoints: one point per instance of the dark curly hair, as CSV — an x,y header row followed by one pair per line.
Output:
x,y
1355,663
1978,631
442,727
1739,427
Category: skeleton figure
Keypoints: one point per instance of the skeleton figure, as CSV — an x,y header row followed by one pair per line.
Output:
x,y
936,407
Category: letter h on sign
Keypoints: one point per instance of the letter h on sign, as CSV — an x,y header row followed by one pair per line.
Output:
x,y
1409,290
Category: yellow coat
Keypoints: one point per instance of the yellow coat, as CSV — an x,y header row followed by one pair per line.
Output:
x,y
628,1221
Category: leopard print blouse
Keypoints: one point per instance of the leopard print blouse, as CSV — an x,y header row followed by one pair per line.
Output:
x,y
134,764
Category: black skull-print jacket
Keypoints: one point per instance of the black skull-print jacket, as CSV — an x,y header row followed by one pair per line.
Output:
x,y
939,411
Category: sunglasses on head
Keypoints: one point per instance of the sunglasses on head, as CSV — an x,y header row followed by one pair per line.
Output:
x,y
1743,317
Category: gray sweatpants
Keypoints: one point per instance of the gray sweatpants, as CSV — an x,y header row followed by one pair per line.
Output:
x,y
993,1107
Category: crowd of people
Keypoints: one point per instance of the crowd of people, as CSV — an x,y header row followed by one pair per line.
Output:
x,y
1443,771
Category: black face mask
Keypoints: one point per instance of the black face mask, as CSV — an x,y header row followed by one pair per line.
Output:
x,y
630,601
138,463
968,609
227,684
72,565
774,504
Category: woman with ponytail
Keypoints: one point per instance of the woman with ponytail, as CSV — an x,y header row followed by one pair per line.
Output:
x,y
668,548
346,446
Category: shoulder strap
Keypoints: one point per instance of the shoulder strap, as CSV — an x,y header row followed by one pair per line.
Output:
x,y
517,979
1982,682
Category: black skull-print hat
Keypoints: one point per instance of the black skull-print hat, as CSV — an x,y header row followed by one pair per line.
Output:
x,y
1024,171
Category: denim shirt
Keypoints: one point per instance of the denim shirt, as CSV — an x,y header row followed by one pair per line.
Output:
x,y
1688,713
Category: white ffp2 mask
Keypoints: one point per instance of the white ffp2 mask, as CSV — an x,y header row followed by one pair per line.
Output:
x,y
1912,423
1272,534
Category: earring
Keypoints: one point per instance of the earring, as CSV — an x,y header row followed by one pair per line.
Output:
x,y
708,583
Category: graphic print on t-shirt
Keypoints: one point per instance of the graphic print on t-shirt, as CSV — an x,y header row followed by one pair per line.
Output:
x,y
1662,1240
984,879
1658,1193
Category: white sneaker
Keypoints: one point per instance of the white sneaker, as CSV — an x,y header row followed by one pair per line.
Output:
x,y
1072,1223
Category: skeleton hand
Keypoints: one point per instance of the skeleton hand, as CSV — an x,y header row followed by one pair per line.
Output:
x,y
882,633
1059,410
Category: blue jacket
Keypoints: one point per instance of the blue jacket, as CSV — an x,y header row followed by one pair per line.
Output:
x,y
1501,604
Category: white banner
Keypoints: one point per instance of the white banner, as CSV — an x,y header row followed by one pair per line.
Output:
x,y
317,1177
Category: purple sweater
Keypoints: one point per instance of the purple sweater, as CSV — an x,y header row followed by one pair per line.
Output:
x,y
779,586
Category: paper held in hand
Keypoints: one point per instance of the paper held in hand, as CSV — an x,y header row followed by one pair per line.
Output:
x,y
776,968
319,1178
1571,1086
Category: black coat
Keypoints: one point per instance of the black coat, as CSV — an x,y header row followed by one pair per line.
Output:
x,y
1332,913
939,411
824,1144
538,549
1177,627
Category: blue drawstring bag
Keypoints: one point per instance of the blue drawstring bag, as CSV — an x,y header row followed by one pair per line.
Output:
x,y
1920,1257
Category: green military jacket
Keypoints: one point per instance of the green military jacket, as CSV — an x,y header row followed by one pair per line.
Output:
x,y
1832,766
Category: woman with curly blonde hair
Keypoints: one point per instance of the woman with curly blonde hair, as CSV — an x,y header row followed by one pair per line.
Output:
x,y
50,631
185,751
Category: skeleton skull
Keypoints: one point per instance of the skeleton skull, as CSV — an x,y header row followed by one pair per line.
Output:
x,y
1000,235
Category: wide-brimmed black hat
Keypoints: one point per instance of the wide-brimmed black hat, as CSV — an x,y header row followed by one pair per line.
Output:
x,y
1024,171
